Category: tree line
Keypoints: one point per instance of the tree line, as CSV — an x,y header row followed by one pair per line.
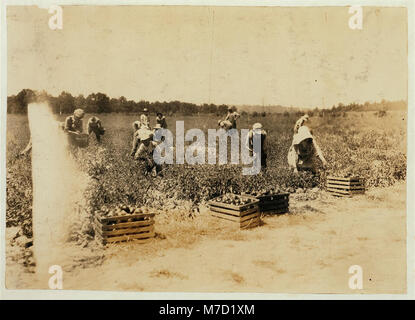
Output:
x,y
99,102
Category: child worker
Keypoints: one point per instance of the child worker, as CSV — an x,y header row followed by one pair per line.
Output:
x,y
94,125
304,151
259,131
143,147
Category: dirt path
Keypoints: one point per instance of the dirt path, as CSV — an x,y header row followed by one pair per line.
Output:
x,y
307,251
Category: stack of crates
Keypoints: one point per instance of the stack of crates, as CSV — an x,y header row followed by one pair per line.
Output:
x,y
236,208
345,186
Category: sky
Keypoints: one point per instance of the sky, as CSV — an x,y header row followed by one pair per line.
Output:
x,y
290,56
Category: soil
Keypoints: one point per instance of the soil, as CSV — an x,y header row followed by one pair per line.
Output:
x,y
308,250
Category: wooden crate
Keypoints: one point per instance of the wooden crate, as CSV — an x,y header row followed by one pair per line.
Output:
x,y
273,203
137,227
345,186
246,215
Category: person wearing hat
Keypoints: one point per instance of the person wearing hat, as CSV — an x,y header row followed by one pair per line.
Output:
x,y
232,116
143,147
257,130
74,127
94,125
144,119
161,120
74,122
157,127
140,136
304,151
300,122
136,137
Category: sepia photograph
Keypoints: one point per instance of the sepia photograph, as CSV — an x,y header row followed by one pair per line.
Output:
x,y
203,148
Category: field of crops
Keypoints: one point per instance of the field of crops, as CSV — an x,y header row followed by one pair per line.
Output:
x,y
362,143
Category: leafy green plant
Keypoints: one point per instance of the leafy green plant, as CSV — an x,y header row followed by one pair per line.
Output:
x,y
350,147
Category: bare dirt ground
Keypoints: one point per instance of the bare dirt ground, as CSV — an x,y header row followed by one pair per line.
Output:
x,y
307,251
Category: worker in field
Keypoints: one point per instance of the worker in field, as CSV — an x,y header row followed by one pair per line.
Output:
x,y
28,148
232,116
74,129
257,130
143,147
144,119
95,125
161,120
300,122
304,152
158,127
74,123
138,136
136,127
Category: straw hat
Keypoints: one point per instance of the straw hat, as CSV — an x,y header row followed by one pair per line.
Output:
x,y
257,126
79,113
303,133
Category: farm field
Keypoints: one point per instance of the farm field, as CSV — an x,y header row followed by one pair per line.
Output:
x,y
308,250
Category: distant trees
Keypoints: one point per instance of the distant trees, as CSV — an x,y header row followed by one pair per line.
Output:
x,y
65,103
100,103
97,103
371,106
222,109
80,102
18,103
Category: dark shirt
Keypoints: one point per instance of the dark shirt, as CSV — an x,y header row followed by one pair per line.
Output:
x,y
251,140
305,149
162,122
73,124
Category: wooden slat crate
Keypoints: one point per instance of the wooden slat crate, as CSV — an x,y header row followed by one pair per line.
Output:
x,y
273,203
137,227
345,186
246,214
